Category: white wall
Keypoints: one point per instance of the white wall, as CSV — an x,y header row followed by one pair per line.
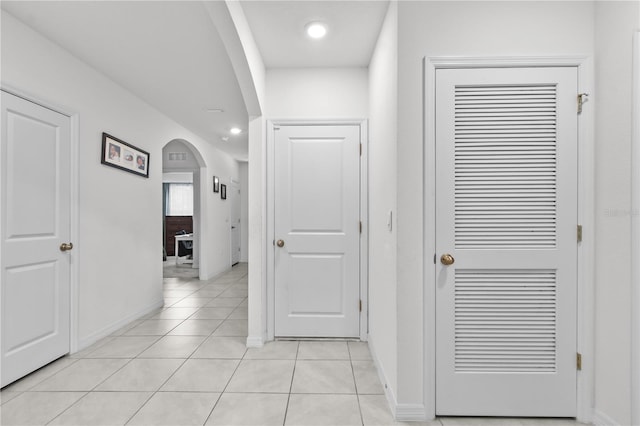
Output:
x,y
616,22
177,177
456,29
234,30
189,163
244,211
301,93
117,210
383,119
257,294
318,93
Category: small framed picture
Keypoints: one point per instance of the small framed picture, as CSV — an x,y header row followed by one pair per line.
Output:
x,y
121,155
223,191
216,184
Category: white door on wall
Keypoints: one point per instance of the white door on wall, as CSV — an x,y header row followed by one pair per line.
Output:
x,y
506,213
234,195
35,214
317,231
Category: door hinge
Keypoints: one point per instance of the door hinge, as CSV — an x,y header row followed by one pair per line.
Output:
x,y
582,97
579,233
360,150
361,227
360,306
578,361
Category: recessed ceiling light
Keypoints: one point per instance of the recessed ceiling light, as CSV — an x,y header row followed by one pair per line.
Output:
x,y
235,131
316,30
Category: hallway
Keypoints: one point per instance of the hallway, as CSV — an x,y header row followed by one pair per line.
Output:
x,y
187,364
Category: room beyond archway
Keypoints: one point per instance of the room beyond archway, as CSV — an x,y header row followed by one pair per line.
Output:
x,y
182,167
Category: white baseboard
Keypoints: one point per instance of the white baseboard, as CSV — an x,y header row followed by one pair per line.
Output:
x,y
89,340
389,392
216,275
602,419
255,342
410,413
400,412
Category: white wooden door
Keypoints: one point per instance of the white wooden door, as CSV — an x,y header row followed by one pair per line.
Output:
x,y
35,185
506,194
234,195
317,222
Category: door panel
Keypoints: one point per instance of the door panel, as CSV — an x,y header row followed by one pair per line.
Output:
x,y
506,167
30,190
317,214
35,205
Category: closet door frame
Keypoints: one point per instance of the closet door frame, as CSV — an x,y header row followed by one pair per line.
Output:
x,y
586,186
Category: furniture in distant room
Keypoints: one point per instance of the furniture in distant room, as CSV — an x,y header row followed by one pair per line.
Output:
x,y
187,239
173,225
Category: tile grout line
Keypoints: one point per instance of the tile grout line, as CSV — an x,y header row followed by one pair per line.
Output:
x,y
355,384
29,389
94,388
69,407
153,393
225,387
176,370
295,363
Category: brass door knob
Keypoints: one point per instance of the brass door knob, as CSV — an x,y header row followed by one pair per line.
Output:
x,y
447,259
66,247
280,243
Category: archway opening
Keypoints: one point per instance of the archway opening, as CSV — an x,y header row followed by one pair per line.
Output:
x,y
182,169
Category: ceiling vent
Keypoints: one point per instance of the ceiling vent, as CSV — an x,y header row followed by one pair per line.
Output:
x,y
177,156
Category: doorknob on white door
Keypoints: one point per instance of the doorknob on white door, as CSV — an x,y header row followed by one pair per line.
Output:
x,y
447,259
66,247
280,243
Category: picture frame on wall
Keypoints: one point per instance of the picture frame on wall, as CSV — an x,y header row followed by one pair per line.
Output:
x,y
223,191
121,155
216,184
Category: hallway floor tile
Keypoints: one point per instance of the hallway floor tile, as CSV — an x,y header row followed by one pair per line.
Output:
x,y
187,364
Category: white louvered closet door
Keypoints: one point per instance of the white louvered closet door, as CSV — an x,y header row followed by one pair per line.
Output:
x,y
506,210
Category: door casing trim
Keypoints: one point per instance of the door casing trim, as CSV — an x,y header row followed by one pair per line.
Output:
x,y
586,185
75,254
269,300
635,237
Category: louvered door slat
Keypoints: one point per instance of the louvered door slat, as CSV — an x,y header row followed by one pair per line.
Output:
x,y
539,156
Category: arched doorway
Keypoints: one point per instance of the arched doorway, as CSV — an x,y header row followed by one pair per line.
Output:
x,y
182,170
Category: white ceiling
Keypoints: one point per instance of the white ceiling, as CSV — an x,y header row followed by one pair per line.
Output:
x,y
279,30
167,52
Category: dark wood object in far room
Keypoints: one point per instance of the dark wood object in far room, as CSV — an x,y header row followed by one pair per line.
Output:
x,y
175,224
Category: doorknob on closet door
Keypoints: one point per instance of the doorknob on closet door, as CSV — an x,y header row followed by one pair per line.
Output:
x,y
66,247
447,259
280,243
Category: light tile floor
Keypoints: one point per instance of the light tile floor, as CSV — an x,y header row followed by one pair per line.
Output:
x,y
187,364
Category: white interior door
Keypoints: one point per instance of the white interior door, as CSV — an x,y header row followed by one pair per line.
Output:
x,y
506,211
317,231
35,212
234,195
